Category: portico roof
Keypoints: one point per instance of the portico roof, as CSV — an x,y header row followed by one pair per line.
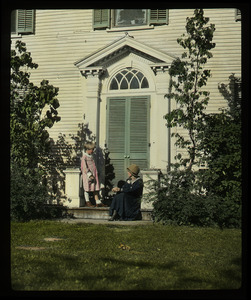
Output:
x,y
122,45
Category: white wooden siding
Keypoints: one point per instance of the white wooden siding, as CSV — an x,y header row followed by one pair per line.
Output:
x,y
64,36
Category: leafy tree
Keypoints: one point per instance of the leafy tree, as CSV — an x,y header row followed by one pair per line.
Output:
x,y
33,109
188,77
29,138
210,197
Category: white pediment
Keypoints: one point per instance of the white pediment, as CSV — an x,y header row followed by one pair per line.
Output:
x,y
119,48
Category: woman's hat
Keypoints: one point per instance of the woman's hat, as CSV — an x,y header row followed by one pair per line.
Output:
x,y
133,169
89,145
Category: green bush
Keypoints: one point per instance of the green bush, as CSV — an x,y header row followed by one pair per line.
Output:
x,y
29,197
180,198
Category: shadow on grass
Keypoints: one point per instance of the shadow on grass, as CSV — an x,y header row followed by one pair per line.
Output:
x,y
68,272
233,272
179,277
175,275
141,264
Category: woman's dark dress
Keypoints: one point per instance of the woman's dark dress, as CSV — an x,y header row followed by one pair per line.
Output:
x,y
127,202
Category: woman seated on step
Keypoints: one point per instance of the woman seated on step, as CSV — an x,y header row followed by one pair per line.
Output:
x,y
126,203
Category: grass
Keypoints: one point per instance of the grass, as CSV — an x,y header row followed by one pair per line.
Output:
x,y
109,257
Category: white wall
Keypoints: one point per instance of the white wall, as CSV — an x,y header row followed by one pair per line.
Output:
x,y
62,37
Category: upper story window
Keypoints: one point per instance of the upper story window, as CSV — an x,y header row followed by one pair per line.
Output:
x,y
130,17
22,21
114,18
129,79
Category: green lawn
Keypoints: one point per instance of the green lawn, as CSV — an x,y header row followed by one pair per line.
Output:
x,y
109,257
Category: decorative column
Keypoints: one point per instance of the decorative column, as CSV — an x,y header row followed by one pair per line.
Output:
x,y
92,100
162,81
92,97
161,72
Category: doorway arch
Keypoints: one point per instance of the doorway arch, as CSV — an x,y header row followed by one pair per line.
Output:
x,y
128,120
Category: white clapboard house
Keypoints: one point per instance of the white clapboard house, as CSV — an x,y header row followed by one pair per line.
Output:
x,y
111,68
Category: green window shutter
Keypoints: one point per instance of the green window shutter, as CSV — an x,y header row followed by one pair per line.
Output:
x,y
25,21
116,132
139,130
101,18
116,128
158,16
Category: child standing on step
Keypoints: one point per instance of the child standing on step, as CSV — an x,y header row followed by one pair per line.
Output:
x,y
90,175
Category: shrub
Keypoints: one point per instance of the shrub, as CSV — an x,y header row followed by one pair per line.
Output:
x,y
180,198
29,196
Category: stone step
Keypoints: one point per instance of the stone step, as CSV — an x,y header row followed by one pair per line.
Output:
x,y
101,213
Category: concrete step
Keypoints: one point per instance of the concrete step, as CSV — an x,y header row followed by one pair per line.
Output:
x,y
102,213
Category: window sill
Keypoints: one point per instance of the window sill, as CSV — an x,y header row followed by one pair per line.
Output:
x,y
20,35
130,28
16,35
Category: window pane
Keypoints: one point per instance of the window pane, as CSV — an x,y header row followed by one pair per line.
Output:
x,y
140,76
124,71
129,76
114,85
130,17
119,77
144,84
134,84
124,85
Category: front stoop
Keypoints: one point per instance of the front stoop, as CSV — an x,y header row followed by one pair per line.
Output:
x,y
101,213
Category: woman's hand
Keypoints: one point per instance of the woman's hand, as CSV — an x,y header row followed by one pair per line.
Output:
x,y
116,189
